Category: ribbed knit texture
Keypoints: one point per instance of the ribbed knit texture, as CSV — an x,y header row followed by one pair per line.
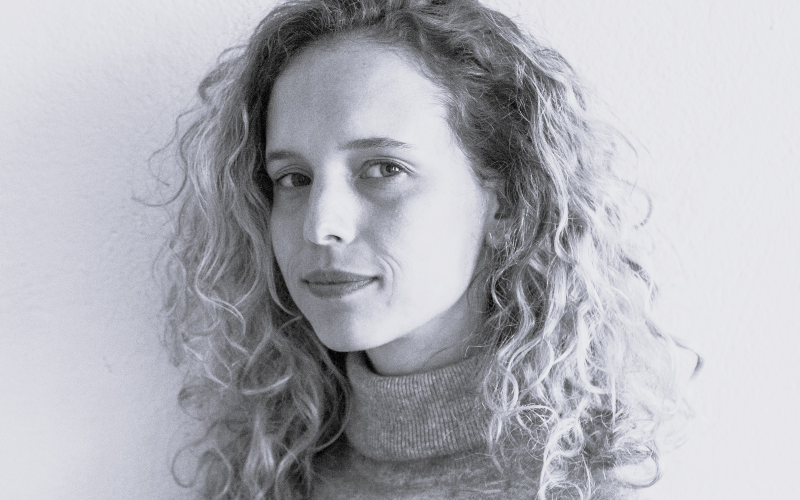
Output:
x,y
415,437
421,437
416,416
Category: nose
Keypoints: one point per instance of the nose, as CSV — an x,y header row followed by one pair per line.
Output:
x,y
332,212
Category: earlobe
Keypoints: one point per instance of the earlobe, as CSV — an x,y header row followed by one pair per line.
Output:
x,y
496,226
491,240
495,223
496,235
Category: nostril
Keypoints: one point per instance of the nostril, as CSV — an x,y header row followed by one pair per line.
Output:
x,y
326,226
332,209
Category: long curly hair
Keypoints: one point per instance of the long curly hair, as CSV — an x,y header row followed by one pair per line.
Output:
x,y
577,376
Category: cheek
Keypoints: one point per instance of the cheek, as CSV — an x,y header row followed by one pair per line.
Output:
x,y
283,235
435,243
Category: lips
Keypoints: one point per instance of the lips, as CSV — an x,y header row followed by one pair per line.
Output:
x,y
333,283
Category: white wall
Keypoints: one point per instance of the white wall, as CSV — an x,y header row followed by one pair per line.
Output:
x,y
89,88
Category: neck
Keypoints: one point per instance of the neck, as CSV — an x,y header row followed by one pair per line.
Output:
x,y
443,341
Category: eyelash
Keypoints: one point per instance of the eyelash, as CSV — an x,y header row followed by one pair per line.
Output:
x,y
299,180
292,175
383,163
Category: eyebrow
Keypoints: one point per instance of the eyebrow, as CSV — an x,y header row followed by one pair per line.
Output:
x,y
366,143
375,142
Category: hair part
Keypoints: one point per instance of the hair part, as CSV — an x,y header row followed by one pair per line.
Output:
x,y
577,375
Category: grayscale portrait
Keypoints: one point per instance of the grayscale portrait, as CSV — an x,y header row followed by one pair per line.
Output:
x,y
398,249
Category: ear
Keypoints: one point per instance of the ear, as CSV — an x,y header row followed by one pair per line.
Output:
x,y
497,233
496,221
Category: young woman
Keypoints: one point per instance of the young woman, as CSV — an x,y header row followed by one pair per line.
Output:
x,y
404,266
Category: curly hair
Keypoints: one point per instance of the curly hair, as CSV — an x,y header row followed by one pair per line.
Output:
x,y
576,374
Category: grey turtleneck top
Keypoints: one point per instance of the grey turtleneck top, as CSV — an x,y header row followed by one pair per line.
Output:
x,y
413,437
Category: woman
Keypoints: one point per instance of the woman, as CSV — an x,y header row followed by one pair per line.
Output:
x,y
404,266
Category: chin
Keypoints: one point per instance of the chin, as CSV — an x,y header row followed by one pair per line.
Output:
x,y
348,338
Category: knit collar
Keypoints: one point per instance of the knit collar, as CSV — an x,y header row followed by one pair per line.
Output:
x,y
416,416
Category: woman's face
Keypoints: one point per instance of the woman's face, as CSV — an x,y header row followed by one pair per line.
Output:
x,y
378,220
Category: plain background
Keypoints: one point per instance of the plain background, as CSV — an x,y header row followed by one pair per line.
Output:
x,y
89,89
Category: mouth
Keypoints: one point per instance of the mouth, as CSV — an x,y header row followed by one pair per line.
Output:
x,y
333,283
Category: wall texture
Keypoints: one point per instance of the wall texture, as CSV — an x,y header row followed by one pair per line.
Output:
x,y
89,88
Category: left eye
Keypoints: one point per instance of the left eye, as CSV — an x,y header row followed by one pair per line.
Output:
x,y
382,169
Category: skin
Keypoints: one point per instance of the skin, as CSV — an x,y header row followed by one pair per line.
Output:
x,y
369,179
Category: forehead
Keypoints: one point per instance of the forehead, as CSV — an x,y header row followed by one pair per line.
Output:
x,y
346,81
340,59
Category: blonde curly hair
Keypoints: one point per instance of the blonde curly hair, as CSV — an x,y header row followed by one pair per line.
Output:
x,y
578,377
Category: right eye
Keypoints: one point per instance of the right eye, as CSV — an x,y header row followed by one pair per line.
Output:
x,y
292,180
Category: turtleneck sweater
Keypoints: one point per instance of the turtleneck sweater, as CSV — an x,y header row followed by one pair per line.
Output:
x,y
413,437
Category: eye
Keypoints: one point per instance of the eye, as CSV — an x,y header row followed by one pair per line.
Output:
x,y
382,168
292,180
